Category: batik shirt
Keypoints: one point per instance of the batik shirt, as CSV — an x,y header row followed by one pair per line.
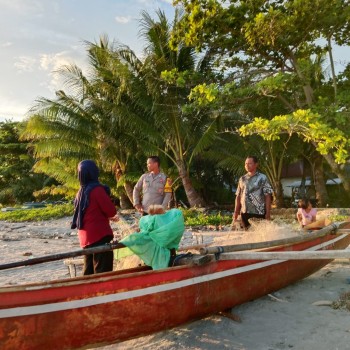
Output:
x,y
253,190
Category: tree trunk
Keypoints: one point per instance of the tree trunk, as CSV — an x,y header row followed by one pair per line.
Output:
x,y
302,187
334,77
194,199
128,190
278,192
340,172
125,202
273,169
320,182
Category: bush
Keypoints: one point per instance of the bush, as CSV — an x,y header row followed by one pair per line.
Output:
x,y
49,212
200,218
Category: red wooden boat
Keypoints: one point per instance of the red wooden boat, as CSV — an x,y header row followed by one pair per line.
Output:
x,y
112,307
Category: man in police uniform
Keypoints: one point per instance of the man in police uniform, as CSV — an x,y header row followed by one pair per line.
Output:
x,y
154,186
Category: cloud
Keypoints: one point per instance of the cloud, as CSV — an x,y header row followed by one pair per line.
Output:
x,y
25,64
122,19
11,109
7,44
52,63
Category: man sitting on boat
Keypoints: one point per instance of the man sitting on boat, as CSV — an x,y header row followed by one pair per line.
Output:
x,y
159,237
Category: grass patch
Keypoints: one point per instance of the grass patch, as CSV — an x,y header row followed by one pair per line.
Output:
x,y
199,218
193,217
39,214
334,218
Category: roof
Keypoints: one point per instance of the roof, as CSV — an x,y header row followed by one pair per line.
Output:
x,y
335,181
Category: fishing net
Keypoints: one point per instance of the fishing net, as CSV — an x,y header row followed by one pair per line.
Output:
x,y
260,231
127,262
158,234
124,226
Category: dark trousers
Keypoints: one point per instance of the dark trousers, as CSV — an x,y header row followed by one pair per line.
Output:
x,y
172,257
98,262
246,216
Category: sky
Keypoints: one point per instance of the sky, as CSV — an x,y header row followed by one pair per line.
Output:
x,y
39,36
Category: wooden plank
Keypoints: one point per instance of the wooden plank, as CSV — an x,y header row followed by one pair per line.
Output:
x,y
194,260
259,245
192,247
218,233
79,261
72,265
296,255
60,256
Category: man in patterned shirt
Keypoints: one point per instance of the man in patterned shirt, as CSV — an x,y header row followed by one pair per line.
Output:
x,y
253,195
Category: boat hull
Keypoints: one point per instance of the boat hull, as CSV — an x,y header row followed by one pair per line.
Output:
x,y
112,307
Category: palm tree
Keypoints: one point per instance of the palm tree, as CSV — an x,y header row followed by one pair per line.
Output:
x,y
123,120
183,135
63,131
84,123
124,110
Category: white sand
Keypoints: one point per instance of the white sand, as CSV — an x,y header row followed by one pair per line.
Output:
x,y
286,320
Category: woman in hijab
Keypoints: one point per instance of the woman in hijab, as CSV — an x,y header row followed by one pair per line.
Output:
x,y
93,210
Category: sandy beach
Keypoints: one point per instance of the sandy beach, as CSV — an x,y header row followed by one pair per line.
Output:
x,y
297,317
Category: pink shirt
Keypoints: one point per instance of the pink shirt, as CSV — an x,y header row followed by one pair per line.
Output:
x,y
306,218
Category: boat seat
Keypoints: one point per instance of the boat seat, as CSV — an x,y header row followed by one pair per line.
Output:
x,y
74,264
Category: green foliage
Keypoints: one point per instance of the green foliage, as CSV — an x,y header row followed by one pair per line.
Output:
x,y
198,13
92,119
275,84
38,214
338,217
17,180
259,58
55,193
275,47
198,218
306,124
204,94
127,108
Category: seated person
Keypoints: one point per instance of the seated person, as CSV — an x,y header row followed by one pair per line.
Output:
x,y
159,237
306,213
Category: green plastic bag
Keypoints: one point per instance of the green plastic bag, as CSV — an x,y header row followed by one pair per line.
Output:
x,y
158,233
